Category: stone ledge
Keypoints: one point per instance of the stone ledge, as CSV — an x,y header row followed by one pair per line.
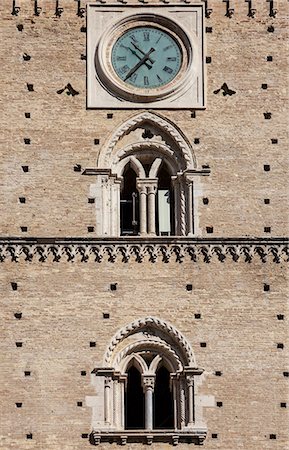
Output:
x,y
196,436
138,249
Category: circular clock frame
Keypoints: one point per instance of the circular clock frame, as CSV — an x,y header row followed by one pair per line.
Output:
x,y
117,87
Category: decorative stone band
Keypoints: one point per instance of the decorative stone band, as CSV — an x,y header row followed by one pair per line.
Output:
x,y
196,435
140,249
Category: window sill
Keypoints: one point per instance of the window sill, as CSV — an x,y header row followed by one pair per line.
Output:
x,y
123,437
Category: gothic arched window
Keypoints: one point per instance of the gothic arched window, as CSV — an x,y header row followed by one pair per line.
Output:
x,y
147,387
147,180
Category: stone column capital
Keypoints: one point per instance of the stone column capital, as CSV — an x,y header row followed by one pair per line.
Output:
x,y
148,382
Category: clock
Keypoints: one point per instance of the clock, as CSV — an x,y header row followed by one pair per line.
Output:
x,y
146,57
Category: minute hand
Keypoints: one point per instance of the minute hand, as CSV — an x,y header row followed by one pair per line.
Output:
x,y
140,63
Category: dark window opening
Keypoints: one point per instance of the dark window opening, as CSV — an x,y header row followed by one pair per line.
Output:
x,y
134,401
163,400
165,204
129,204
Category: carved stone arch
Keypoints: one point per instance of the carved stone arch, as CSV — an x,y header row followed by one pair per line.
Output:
x,y
105,158
157,147
152,323
160,347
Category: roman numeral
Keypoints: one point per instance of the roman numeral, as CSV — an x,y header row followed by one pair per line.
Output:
x,y
123,69
133,77
159,78
168,69
133,38
171,58
158,39
121,58
146,81
146,36
167,48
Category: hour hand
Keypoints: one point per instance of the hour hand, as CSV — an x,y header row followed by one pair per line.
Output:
x,y
140,63
141,51
135,54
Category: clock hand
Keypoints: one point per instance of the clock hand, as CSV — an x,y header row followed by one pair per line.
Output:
x,y
140,63
140,50
135,53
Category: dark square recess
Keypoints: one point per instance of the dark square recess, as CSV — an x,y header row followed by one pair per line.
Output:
x,y
105,315
77,168
27,115
18,405
27,373
203,344
197,316
25,168
84,435
79,403
270,29
219,404
266,167
113,286
267,201
92,344
210,230
264,86
189,287
83,29
208,59
23,229
96,141
286,374
267,229
267,115
269,58
196,141
218,373
280,316
22,200
273,436
280,345
274,141
193,114
214,436
83,373
205,201
29,436
27,141
91,200
109,115
283,405
30,87
14,286
18,315
90,229
209,30
266,287
18,344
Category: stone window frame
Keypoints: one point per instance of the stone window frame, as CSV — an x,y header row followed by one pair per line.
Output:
x,y
167,346
179,157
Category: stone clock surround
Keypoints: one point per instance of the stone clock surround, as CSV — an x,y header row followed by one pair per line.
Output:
x,y
104,89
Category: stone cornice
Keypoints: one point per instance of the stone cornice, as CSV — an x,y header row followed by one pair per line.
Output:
x,y
140,249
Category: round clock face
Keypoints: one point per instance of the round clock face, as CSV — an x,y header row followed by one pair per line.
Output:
x,y
146,57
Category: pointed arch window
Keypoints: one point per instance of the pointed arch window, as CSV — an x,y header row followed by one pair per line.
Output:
x,y
149,389
147,180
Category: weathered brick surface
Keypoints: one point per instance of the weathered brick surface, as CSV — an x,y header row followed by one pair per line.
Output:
x,y
62,303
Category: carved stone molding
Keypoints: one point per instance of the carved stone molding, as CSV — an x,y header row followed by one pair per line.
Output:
x,y
140,249
164,124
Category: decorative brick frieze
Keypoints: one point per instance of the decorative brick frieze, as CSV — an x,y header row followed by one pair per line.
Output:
x,y
140,249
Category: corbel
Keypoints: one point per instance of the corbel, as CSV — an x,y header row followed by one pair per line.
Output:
x,y
272,11
229,9
58,9
251,10
208,11
15,9
80,10
37,8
